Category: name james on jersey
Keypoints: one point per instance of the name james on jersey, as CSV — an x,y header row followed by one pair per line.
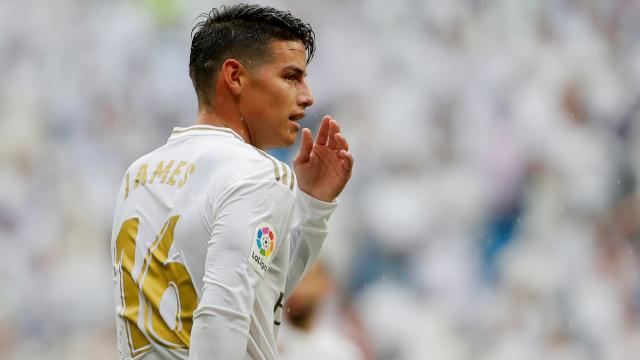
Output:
x,y
180,172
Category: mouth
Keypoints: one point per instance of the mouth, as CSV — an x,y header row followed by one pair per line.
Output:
x,y
296,117
294,120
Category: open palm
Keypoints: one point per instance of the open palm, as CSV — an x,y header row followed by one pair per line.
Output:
x,y
323,168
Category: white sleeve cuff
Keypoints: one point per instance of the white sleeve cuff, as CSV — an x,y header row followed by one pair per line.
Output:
x,y
311,211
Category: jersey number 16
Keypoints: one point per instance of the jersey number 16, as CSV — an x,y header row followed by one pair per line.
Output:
x,y
141,296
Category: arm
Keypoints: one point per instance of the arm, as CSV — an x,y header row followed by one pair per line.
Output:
x,y
222,318
310,228
323,169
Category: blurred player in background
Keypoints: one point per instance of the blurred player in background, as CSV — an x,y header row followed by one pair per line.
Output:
x,y
307,337
210,233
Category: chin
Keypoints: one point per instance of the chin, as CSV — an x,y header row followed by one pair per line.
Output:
x,y
281,143
288,139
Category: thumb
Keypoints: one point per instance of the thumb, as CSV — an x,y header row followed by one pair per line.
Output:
x,y
306,145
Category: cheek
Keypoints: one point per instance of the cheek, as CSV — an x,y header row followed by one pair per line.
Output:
x,y
282,94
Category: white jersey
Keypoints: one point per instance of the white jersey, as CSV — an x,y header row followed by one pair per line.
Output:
x,y
210,235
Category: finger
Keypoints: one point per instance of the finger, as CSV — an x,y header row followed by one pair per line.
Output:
x,y
333,130
323,132
342,142
306,145
347,160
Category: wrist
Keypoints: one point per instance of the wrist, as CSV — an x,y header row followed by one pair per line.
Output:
x,y
318,195
313,210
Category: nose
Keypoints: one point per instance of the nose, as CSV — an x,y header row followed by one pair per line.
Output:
x,y
305,98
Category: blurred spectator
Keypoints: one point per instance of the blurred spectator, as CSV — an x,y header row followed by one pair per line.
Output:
x,y
305,333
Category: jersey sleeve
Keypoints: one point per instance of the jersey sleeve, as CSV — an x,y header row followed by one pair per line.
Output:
x,y
235,265
309,230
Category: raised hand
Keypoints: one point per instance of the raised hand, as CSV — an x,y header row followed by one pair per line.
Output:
x,y
323,168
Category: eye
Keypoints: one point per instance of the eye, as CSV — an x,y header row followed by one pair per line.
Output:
x,y
291,77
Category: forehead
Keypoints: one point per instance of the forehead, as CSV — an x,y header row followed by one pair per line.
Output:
x,y
287,53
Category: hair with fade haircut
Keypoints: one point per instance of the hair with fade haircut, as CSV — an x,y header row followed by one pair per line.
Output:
x,y
242,32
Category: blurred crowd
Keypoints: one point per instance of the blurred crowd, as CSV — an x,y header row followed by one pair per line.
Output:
x,y
494,210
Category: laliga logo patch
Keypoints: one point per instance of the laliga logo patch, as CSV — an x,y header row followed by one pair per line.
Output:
x,y
266,240
264,243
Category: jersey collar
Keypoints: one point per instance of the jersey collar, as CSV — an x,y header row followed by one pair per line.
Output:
x,y
179,132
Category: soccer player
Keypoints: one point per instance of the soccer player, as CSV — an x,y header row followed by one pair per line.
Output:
x,y
307,337
210,233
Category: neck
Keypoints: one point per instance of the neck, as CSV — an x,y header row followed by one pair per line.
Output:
x,y
235,123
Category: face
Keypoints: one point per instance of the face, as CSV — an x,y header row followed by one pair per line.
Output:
x,y
275,96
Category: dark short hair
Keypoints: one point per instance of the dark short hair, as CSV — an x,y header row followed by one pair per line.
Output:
x,y
243,32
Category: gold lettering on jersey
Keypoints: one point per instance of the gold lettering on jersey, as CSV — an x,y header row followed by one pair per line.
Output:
x,y
144,293
190,170
125,254
141,176
126,185
161,275
176,172
162,171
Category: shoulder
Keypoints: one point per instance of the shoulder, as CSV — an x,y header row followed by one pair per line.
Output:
x,y
241,161
227,155
232,163
270,168
255,169
256,177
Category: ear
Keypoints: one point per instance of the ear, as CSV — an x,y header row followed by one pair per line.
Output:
x,y
233,75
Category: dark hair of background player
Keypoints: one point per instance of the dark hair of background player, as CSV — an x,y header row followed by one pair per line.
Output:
x,y
242,32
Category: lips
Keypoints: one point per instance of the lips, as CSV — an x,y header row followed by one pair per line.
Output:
x,y
296,116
